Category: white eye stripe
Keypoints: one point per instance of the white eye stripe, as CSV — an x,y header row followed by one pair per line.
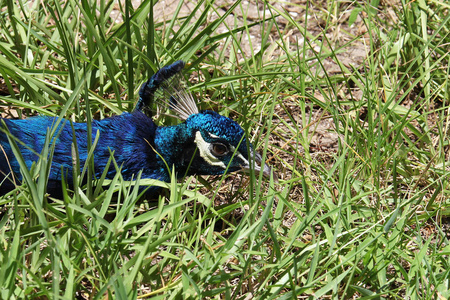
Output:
x,y
213,135
205,153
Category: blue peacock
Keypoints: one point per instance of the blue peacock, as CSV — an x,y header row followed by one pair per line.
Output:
x,y
205,143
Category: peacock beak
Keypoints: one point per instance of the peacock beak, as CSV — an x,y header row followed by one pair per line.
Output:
x,y
258,165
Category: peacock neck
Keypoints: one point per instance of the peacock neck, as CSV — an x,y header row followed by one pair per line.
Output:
x,y
173,143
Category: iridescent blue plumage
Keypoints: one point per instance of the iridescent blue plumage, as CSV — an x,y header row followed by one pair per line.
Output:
x,y
205,143
126,135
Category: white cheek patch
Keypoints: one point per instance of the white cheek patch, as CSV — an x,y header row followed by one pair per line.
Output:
x,y
203,147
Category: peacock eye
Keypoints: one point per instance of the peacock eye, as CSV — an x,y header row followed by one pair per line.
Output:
x,y
219,149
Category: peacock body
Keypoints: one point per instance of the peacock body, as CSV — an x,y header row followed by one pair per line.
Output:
x,y
205,143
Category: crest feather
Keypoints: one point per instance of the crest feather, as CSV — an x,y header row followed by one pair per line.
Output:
x,y
168,88
177,97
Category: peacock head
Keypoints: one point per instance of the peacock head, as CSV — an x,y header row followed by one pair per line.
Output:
x,y
209,144
221,146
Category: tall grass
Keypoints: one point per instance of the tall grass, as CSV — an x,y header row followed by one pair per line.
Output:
x,y
362,215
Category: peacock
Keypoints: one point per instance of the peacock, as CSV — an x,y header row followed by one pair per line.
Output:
x,y
204,143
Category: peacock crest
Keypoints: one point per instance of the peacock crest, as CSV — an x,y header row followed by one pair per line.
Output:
x,y
168,88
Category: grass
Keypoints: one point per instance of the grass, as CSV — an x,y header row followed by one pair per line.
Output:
x,y
363,215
